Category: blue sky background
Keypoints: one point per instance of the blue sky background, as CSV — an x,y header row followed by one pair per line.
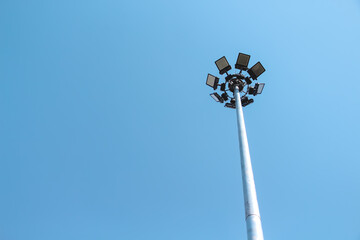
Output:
x,y
108,131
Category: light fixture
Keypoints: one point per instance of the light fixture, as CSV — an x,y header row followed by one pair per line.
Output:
x,y
242,61
217,97
256,70
225,96
223,65
230,105
212,81
257,89
252,91
222,87
246,101
241,83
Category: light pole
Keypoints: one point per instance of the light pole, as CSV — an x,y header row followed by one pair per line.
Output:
x,y
238,83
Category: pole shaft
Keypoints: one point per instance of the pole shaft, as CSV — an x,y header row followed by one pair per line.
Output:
x,y
252,213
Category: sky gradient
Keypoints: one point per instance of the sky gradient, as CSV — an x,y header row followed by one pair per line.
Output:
x,y
108,130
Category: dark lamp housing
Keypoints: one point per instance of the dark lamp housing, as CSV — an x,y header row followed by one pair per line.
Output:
x,y
225,96
223,65
248,80
230,105
242,61
217,97
252,91
212,81
246,101
256,70
222,87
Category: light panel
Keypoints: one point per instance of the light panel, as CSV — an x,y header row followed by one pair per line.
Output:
x,y
223,65
217,97
260,88
242,61
230,105
212,81
256,70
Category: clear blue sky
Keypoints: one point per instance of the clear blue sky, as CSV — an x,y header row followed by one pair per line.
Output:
x,y
107,130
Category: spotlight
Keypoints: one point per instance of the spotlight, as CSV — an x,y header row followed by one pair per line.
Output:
x,y
246,101
222,86
256,70
212,81
252,91
217,97
225,96
257,89
223,65
242,61
230,105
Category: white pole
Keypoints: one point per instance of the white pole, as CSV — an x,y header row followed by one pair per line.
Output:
x,y
252,213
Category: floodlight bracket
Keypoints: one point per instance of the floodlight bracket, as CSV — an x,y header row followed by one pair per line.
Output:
x,y
228,77
236,82
236,75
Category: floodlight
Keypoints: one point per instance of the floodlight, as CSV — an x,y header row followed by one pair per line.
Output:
x,y
256,70
242,61
223,65
230,105
252,91
212,81
222,86
246,101
259,87
225,96
217,97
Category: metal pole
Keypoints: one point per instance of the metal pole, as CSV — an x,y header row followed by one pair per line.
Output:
x,y
252,213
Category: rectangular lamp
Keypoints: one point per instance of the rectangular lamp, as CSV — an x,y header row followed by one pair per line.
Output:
x,y
212,81
256,70
242,61
217,97
223,65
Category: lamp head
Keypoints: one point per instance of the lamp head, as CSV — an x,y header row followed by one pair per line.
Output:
x,y
242,61
223,65
256,70
212,81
